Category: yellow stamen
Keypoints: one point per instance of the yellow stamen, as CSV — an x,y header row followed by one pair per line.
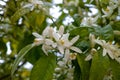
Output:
x,y
62,42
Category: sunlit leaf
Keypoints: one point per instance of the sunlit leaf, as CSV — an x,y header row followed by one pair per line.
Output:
x,y
20,56
99,67
19,13
44,68
115,67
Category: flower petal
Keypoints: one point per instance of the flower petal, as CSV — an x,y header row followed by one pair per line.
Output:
x,y
104,52
89,57
67,55
61,49
36,35
110,53
38,41
45,31
44,50
65,37
75,49
56,36
48,42
74,39
61,30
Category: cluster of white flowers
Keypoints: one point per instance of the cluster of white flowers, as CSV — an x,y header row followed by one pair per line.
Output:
x,y
52,39
108,48
113,4
89,21
112,50
63,69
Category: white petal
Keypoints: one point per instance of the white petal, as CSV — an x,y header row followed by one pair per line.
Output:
x,y
51,32
36,35
74,39
110,54
89,57
48,42
65,36
61,30
44,50
61,49
45,31
67,44
75,49
104,52
38,41
67,55
56,36
54,45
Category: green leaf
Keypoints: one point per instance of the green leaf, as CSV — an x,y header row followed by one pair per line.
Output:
x,y
35,18
105,32
99,67
20,56
77,72
34,54
115,69
44,68
84,66
19,13
82,31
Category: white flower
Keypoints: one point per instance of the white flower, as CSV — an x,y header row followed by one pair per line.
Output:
x,y
63,44
112,50
107,12
89,21
45,39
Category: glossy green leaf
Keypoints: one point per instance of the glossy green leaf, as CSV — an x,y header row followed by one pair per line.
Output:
x,y
107,32
82,31
44,68
115,66
20,56
34,54
84,66
99,67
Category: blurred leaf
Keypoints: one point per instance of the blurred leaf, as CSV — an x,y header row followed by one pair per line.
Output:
x,y
19,13
81,3
115,69
84,66
77,72
20,56
83,45
3,47
82,31
34,54
35,18
44,68
99,66
77,20
116,25
11,8
105,32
